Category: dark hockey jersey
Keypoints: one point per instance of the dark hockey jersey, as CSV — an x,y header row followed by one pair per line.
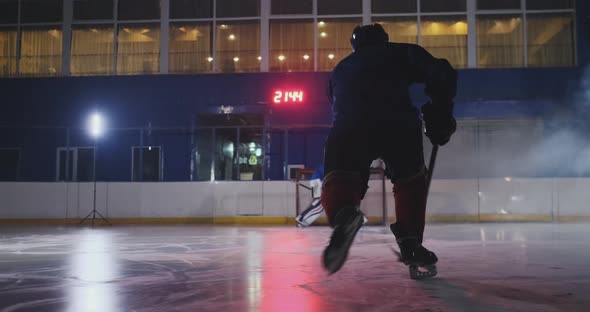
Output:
x,y
371,86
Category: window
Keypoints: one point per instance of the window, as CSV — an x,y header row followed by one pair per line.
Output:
x,y
549,4
334,41
238,47
7,52
191,8
190,48
202,154
291,45
398,6
8,11
146,164
9,164
237,8
335,7
75,164
93,9
92,50
443,6
225,155
40,51
250,156
498,4
278,7
138,49
550,40
41,11
500,41
446,37
138,9
400,29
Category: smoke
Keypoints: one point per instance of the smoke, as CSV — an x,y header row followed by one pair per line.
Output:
x,y
565,147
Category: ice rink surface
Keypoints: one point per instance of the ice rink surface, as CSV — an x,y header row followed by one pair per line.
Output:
x,y
483,267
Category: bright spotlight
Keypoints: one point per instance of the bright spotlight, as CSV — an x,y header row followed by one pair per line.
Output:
x,y
96,125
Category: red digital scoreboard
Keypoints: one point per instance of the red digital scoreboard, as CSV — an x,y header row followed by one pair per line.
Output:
x,y
288,96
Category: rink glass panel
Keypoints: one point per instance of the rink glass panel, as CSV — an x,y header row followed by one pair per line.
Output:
x,y
202,155
147,163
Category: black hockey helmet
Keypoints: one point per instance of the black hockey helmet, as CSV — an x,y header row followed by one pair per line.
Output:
x,y
368,35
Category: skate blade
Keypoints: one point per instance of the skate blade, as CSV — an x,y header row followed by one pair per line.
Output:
x,y
420,273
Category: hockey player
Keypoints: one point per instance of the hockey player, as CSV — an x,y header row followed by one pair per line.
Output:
x,y
314,210
373,117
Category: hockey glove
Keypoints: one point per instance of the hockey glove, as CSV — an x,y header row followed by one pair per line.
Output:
x,y
439,123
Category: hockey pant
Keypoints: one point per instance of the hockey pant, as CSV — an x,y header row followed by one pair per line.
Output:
x,y
347,158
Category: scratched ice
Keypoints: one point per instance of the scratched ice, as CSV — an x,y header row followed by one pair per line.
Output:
x,y
483,267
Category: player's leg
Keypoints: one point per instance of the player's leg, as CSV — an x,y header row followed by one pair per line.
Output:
x,y
344,186
405,167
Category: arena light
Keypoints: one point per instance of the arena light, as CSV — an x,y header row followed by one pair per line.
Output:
x,y
96,125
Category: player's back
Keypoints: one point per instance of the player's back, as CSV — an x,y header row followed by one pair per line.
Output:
x,y
370,86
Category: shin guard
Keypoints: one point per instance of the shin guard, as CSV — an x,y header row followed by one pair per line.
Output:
x,y
410,205
340,190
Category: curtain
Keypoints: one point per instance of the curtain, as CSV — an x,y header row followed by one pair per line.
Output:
x,y
238,46
500,41
40,52
189,48
92,51
8,52
138,49
334,41
550,40
291,45
446,37
400,29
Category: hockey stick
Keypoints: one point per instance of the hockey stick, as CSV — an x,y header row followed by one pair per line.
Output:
x,y
430,168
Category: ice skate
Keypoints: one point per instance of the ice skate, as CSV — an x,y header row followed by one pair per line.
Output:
x,y
420,261
348,222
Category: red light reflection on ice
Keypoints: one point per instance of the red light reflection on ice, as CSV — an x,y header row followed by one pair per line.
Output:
x,y
290,274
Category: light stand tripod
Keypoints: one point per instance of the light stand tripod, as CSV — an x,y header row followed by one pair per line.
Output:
x,y
94,212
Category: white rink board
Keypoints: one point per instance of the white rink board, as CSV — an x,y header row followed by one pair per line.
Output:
x,y
459,197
